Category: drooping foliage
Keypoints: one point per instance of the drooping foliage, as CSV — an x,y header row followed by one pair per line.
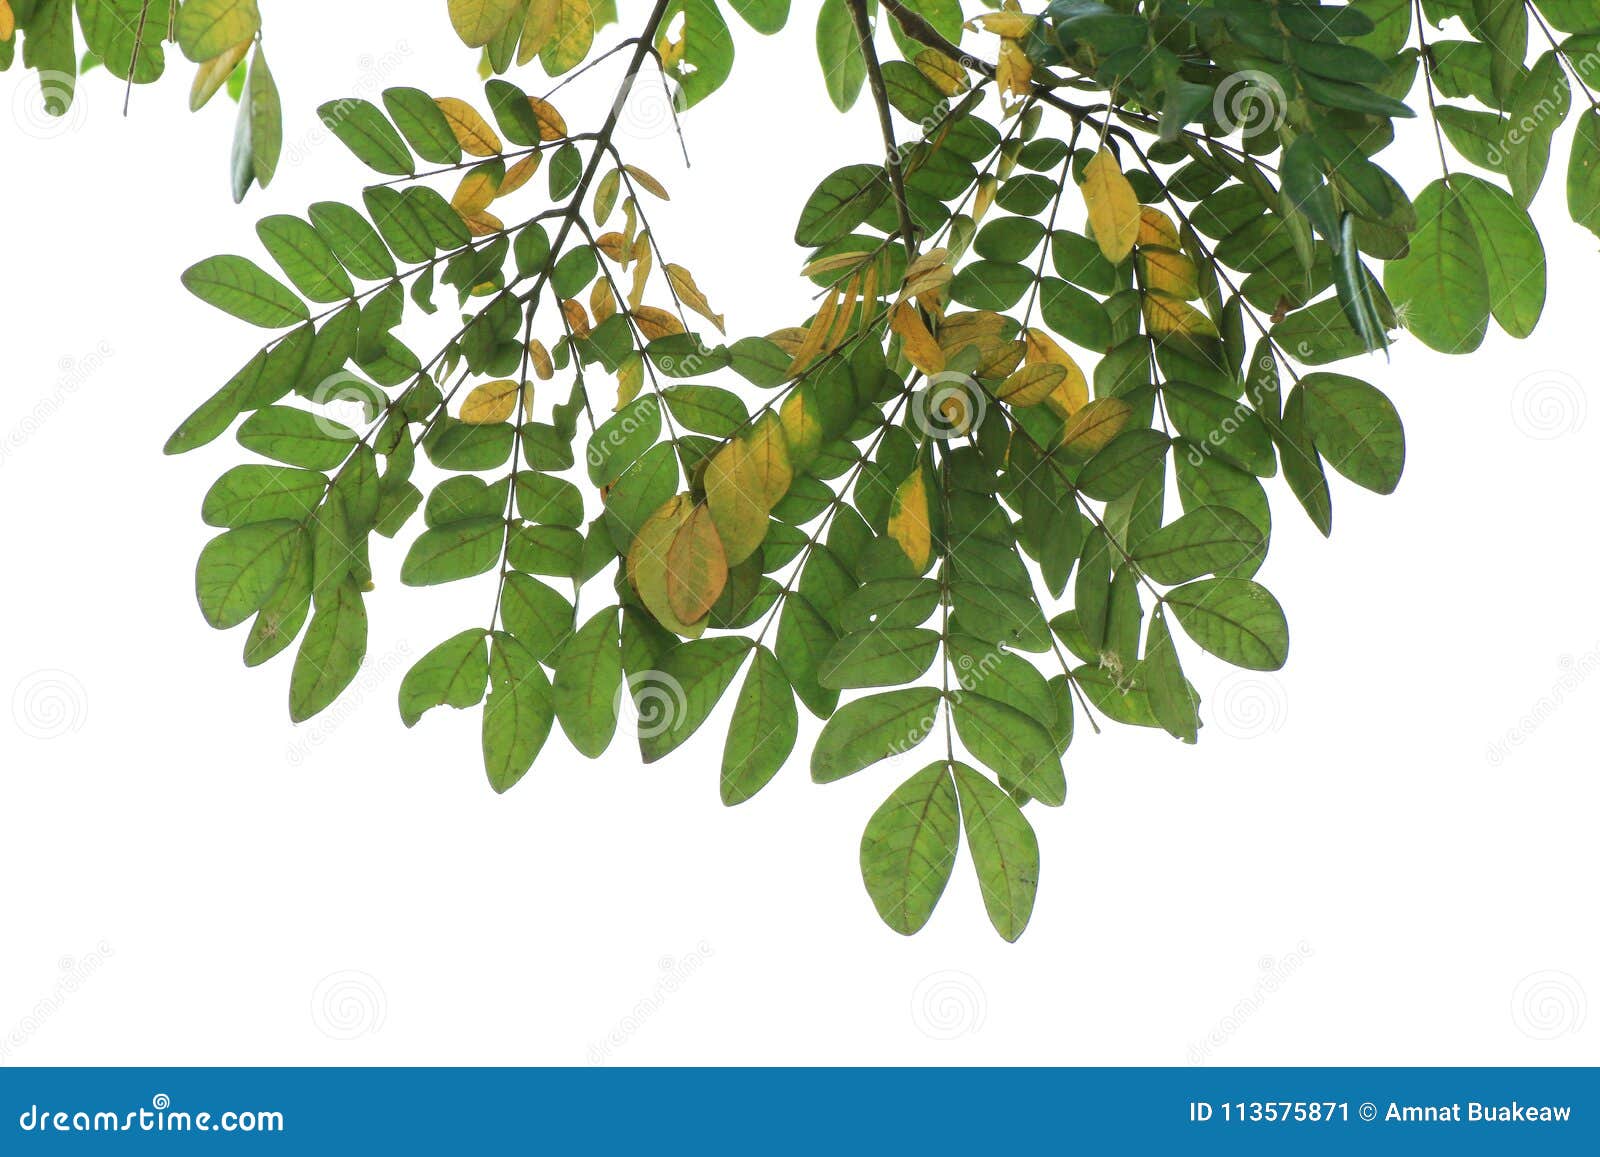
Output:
x,y
1071,323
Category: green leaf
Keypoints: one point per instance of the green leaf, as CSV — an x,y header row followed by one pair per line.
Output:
x,y
518,713
1005,852
622,438
995,285
909,848
844,69
367,133
456,550
1019,749
1513,255
453,674
1440,286
304,257
426,129
208,28
588,682
1238,621
331,654
878,657
1356,428
762,732
479,21
844,200
249,494
1206,540
238,571
353,240
765,16
693,677
264,108
1171,698
871,729
297,437
239,286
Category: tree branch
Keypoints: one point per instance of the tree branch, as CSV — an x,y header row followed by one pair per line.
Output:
x,y
880,97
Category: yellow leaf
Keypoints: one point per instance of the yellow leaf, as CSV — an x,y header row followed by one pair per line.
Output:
x,y
630,379
1013,70
908,520
697,567
484,224
490,403
8,25
647,562
1011,25
916,342
733,494
641,271
1113,207
1168,271
543,367
605,197
1032,384
1166,316
837,261
577,319
601,301
537,29
647,182
571,37
801,429
689,293
1092,428
947,76
1072,392
471,130
479,21
611,244
927,273
816,336
212,75
984,198
519,175
552,125
656,323
1156,228
769,454
789,340
476,191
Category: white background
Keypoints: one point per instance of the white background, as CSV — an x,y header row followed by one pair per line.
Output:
x,y
1385,853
